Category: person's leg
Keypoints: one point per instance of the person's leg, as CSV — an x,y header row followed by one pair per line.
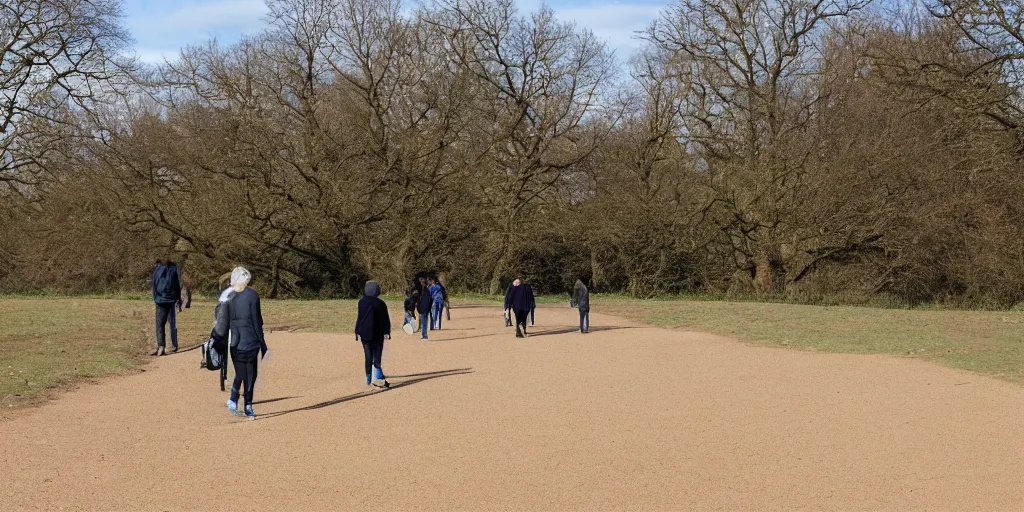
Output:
x,y
378,356
368,361
437,316
161,322
521,317
425,323
236,384
174,327
533,316
586,320
378,353
250,379
583,315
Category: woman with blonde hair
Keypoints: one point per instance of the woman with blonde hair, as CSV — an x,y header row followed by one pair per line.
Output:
x,y
239,317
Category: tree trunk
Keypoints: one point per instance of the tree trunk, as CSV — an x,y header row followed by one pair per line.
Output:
x,y
768,270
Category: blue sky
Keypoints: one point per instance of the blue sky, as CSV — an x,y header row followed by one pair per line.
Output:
x,y
161,27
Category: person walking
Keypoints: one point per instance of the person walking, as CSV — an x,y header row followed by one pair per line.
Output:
x,y
508,300
519,301
373,326
581,300
409,309
533,306
437,307
166,284
241,319
424,305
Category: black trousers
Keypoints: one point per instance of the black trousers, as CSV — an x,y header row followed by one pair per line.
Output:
x,y
372,352
521,319
245,373
165,312
584,320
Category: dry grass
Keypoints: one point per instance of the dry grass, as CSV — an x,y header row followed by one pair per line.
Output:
x,y
47,343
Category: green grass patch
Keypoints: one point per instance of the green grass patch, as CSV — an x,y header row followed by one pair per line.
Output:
x,y
52,342
988,342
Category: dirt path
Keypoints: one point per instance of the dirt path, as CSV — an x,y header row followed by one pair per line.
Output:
x,y
623,419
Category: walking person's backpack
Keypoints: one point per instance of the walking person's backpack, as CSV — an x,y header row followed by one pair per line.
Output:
x,y
213,354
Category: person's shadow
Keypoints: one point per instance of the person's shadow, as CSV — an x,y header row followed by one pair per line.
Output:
x,y
570,330
416,378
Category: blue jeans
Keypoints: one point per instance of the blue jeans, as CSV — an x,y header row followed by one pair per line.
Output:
x,y
584,320
165,313
435,315
425,323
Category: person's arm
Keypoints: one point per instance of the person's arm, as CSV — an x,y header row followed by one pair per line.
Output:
x,y
222,322
257,322
152,283
387,319
361,314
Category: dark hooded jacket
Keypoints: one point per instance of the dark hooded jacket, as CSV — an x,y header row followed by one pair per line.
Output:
x,y
166,283
241,315
372,320
580,296
519,298
425,302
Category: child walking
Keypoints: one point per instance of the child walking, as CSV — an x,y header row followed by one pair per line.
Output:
x,y
373,326
437,297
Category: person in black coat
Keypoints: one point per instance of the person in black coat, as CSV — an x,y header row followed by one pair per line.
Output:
x,y
519,299
424,305
166,285
373,326
581,300
240,318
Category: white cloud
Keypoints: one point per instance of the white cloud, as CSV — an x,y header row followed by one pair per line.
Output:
x,y
161,28
614,22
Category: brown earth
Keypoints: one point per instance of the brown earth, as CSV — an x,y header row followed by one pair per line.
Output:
x,y
625,418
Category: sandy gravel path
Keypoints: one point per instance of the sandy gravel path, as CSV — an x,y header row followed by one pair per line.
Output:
x,y
622,419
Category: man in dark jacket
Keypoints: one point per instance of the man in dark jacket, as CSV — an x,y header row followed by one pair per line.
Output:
x,y
373,326
519,299
581,300
240,318
424,305
166,286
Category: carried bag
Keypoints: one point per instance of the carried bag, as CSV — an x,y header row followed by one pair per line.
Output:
x,y
213,359
411,325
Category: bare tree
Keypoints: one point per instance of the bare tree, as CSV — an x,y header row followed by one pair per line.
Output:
x,y
752,66
538,80
54,55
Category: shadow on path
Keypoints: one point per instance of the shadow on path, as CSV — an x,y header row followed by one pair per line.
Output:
x,y
425,374
570,330
362,394
272,400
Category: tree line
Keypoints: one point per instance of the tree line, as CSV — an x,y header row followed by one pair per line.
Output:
x,y
804,148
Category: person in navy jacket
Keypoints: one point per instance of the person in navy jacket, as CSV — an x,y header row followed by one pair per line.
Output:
x,y
373,326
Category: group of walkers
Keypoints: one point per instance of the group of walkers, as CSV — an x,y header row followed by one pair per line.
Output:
x,y
238,322
428,298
